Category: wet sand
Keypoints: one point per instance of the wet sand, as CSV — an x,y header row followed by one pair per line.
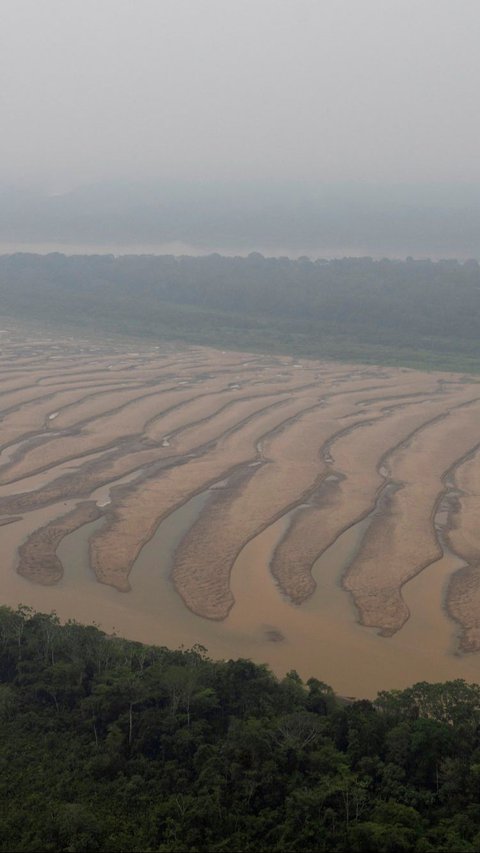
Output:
x,y
137,510
207,471
463,536
37,556
320,638
402,541
290,466
348,493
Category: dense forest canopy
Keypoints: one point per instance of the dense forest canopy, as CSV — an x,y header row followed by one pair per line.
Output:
x,y
107,744
413,312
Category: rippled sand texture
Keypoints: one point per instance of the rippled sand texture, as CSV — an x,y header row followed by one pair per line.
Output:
x,y
463,536
96,436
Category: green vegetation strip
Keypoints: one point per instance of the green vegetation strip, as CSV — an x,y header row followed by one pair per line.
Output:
x,y
414,313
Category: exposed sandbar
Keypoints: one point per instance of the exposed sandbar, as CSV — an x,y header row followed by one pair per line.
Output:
x,y
350,494
38,560
294,466
100,433
401,539
137,510
463,537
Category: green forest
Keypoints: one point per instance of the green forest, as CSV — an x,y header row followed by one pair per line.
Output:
x,y
111,745
416,313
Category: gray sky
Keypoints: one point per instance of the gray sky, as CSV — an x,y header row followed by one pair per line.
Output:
x,y
327,90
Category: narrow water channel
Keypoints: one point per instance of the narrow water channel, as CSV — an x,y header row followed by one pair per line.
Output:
x,y
321,637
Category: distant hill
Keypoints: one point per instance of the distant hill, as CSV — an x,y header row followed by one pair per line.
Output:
x,y
317,219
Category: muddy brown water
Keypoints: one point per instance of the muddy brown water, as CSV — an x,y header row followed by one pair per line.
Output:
x,y
322,637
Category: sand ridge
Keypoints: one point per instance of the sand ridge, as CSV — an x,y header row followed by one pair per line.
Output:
x,y
401,540
462,533
357,472
129,435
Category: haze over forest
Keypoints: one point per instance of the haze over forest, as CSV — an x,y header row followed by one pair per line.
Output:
x,y
319,220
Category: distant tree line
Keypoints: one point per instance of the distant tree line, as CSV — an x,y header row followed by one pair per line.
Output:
x,y
111,745
421,313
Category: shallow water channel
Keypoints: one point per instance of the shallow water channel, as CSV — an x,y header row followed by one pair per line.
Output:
x,y
321,637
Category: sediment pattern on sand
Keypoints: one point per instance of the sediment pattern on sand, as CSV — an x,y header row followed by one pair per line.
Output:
x,y
357,472
38,560
462,507
401,539
104,430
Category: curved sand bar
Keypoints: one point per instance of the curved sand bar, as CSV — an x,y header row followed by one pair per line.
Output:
x,y
401,540
357,474
463,537
134,436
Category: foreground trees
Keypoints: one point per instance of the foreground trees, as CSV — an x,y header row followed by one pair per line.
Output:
x,y
106,744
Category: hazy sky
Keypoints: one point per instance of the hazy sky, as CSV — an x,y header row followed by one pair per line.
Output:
x,y
330,90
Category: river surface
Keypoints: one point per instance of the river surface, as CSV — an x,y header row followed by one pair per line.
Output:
x,y
320,638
